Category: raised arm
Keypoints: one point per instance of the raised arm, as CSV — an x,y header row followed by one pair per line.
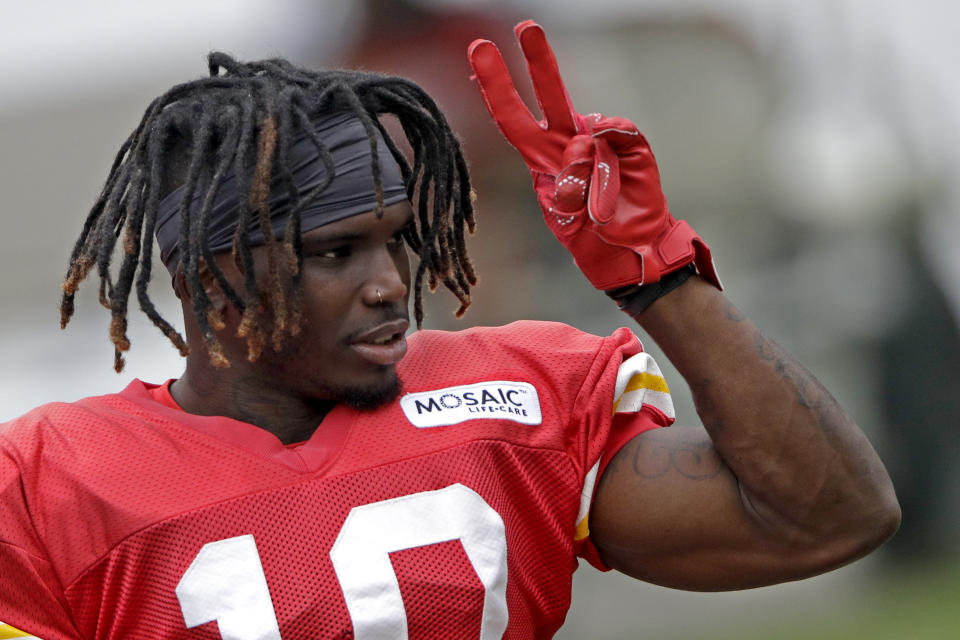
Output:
x,y
781,484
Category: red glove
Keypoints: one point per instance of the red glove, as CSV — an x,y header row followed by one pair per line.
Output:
x,y
596,178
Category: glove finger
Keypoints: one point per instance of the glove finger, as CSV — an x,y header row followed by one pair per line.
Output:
x,y
548,86
620,133
563,224
501,98
604,183
572,183
571,192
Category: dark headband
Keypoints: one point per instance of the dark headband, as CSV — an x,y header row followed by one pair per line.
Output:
x,y
351,192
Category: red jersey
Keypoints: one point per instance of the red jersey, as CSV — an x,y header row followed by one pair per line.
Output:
x,y
456,511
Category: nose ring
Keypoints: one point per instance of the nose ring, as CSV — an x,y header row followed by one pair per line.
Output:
x,y
379,297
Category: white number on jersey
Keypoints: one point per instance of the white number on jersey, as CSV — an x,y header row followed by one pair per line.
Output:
x,y
225,582
370,533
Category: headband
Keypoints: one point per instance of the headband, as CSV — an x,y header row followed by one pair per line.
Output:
x,y
351,192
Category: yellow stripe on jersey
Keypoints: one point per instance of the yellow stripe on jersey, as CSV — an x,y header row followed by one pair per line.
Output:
x,y
6,631
647,381
586,497
640,382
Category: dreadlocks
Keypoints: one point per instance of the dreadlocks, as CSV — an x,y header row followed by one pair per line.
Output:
x,y
244,117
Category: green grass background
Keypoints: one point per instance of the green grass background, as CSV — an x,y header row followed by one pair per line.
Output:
x,y
920,603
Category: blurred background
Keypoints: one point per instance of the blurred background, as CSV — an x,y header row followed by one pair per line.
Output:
x,y
815,144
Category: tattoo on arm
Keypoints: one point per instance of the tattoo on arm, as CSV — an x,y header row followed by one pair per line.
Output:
x,y
694,459
731,312
810,393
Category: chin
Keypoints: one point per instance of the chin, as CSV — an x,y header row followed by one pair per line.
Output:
x,y
370,397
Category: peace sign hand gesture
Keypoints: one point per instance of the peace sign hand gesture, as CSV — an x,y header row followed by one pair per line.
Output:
x,y
596,178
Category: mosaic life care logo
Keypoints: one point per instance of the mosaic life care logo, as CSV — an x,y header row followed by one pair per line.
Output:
x,y
494,400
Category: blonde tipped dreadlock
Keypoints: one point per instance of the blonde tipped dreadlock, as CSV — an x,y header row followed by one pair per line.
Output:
x,y
246,115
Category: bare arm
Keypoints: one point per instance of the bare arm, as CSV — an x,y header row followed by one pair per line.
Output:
x,y
780,485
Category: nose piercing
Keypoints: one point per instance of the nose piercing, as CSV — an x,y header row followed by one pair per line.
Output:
x,y
379,297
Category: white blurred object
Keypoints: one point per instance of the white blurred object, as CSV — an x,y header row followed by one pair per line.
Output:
x,y
56,47
837,167
42,364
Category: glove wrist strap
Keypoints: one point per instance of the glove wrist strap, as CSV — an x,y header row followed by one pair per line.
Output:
x,y
637,298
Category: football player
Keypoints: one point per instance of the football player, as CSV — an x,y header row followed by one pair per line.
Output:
x,y
316,472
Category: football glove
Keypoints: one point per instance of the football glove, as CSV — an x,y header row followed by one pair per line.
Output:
x,y
595,177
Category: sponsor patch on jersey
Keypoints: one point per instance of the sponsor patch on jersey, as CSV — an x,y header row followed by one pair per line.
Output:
x,y
494,400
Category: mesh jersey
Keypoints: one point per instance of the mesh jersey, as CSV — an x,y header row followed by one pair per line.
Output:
x,y
457,511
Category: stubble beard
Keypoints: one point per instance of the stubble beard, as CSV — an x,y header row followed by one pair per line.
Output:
x,y
371,397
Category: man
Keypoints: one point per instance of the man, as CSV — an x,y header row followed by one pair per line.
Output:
x,y
314,473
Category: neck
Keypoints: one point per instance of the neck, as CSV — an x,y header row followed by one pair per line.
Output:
x,y
250,399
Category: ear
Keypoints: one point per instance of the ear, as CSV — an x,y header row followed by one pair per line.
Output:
x,y
180,288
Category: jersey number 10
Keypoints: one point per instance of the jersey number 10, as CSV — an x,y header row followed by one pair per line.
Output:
x,y
226,582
